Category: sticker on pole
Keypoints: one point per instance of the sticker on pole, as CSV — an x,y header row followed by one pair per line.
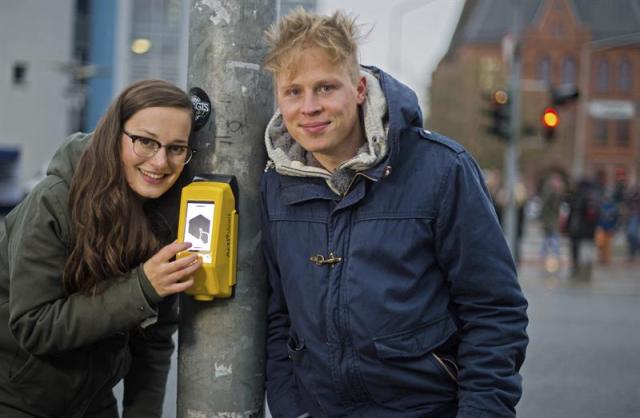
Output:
x,y
201,107
199,225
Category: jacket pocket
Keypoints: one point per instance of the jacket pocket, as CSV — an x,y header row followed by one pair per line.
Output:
x,y
64,383
403,369
303,373
295,348
17,373
417,341
55,384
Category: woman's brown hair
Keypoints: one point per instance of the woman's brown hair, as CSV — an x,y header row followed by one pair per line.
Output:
x,y
110,233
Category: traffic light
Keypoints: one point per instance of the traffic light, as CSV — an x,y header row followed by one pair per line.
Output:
x,y
499,114
550,121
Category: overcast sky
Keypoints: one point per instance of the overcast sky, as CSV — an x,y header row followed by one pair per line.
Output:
x,y
424,30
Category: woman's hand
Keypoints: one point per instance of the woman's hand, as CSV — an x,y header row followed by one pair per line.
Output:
x,y
168,277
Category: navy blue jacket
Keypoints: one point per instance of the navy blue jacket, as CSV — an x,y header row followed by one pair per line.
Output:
x,y
419,312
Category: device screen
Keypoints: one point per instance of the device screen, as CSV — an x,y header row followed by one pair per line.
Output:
x,y
199,225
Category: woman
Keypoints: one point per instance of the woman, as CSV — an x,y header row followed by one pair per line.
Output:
x,y
87,290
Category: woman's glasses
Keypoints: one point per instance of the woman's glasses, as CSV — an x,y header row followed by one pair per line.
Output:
x,y
146,148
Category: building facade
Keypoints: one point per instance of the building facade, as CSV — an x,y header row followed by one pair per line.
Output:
x,y
590,46
36,100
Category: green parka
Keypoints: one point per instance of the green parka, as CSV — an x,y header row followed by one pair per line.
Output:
x,y
61,353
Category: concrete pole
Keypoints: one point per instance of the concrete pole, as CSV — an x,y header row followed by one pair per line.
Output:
x,y
512,153
221,343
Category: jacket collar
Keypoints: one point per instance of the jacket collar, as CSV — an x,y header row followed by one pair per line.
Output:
x,y
298,189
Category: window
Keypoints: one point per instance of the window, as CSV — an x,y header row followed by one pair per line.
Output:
x,y
623,132
544,69
601,133
19,73
602,75
569,71
557,29
624,75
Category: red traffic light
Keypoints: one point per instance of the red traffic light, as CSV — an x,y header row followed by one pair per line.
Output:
x,y
550,118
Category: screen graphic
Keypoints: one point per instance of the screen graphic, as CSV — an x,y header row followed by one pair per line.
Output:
x,y
199,225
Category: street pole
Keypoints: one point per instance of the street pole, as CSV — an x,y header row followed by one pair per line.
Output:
x,y
512,153
578,169
222,343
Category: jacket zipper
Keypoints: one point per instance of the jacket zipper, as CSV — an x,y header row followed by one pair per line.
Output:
x,y
354,179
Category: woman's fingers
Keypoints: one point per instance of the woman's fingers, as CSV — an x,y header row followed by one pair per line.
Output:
x,y
168,277
169,251
185,269
181,286
182,263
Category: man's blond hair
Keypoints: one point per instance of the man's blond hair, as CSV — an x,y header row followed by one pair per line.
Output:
x,y
337,35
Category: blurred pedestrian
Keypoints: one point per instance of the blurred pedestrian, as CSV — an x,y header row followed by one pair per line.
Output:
x,y
87,282
393,292
521,198
500,199
551,198
493,180
581,226
608,216
633,222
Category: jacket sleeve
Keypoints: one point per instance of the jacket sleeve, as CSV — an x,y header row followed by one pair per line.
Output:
x,y
282,393
485,294
151,349
43,318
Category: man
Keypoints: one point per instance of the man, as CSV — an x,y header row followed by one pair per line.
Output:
x,y
393,293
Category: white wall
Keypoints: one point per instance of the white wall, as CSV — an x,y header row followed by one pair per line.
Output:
x,y
35,116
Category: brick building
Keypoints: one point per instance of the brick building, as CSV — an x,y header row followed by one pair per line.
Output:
x,y
593,46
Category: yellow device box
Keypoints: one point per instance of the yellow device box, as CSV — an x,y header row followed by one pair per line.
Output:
x,y
209,221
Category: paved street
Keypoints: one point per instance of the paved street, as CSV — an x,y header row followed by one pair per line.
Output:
x,y
582,360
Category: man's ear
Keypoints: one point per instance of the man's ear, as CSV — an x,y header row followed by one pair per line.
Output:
x,y
361,88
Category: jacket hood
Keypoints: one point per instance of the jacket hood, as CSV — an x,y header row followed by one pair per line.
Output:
x,y
403,110
64,161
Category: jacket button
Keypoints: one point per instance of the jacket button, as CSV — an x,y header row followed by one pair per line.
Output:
x,y
141,308
387,171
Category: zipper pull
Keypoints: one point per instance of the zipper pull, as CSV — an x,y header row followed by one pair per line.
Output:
x,y
319,260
